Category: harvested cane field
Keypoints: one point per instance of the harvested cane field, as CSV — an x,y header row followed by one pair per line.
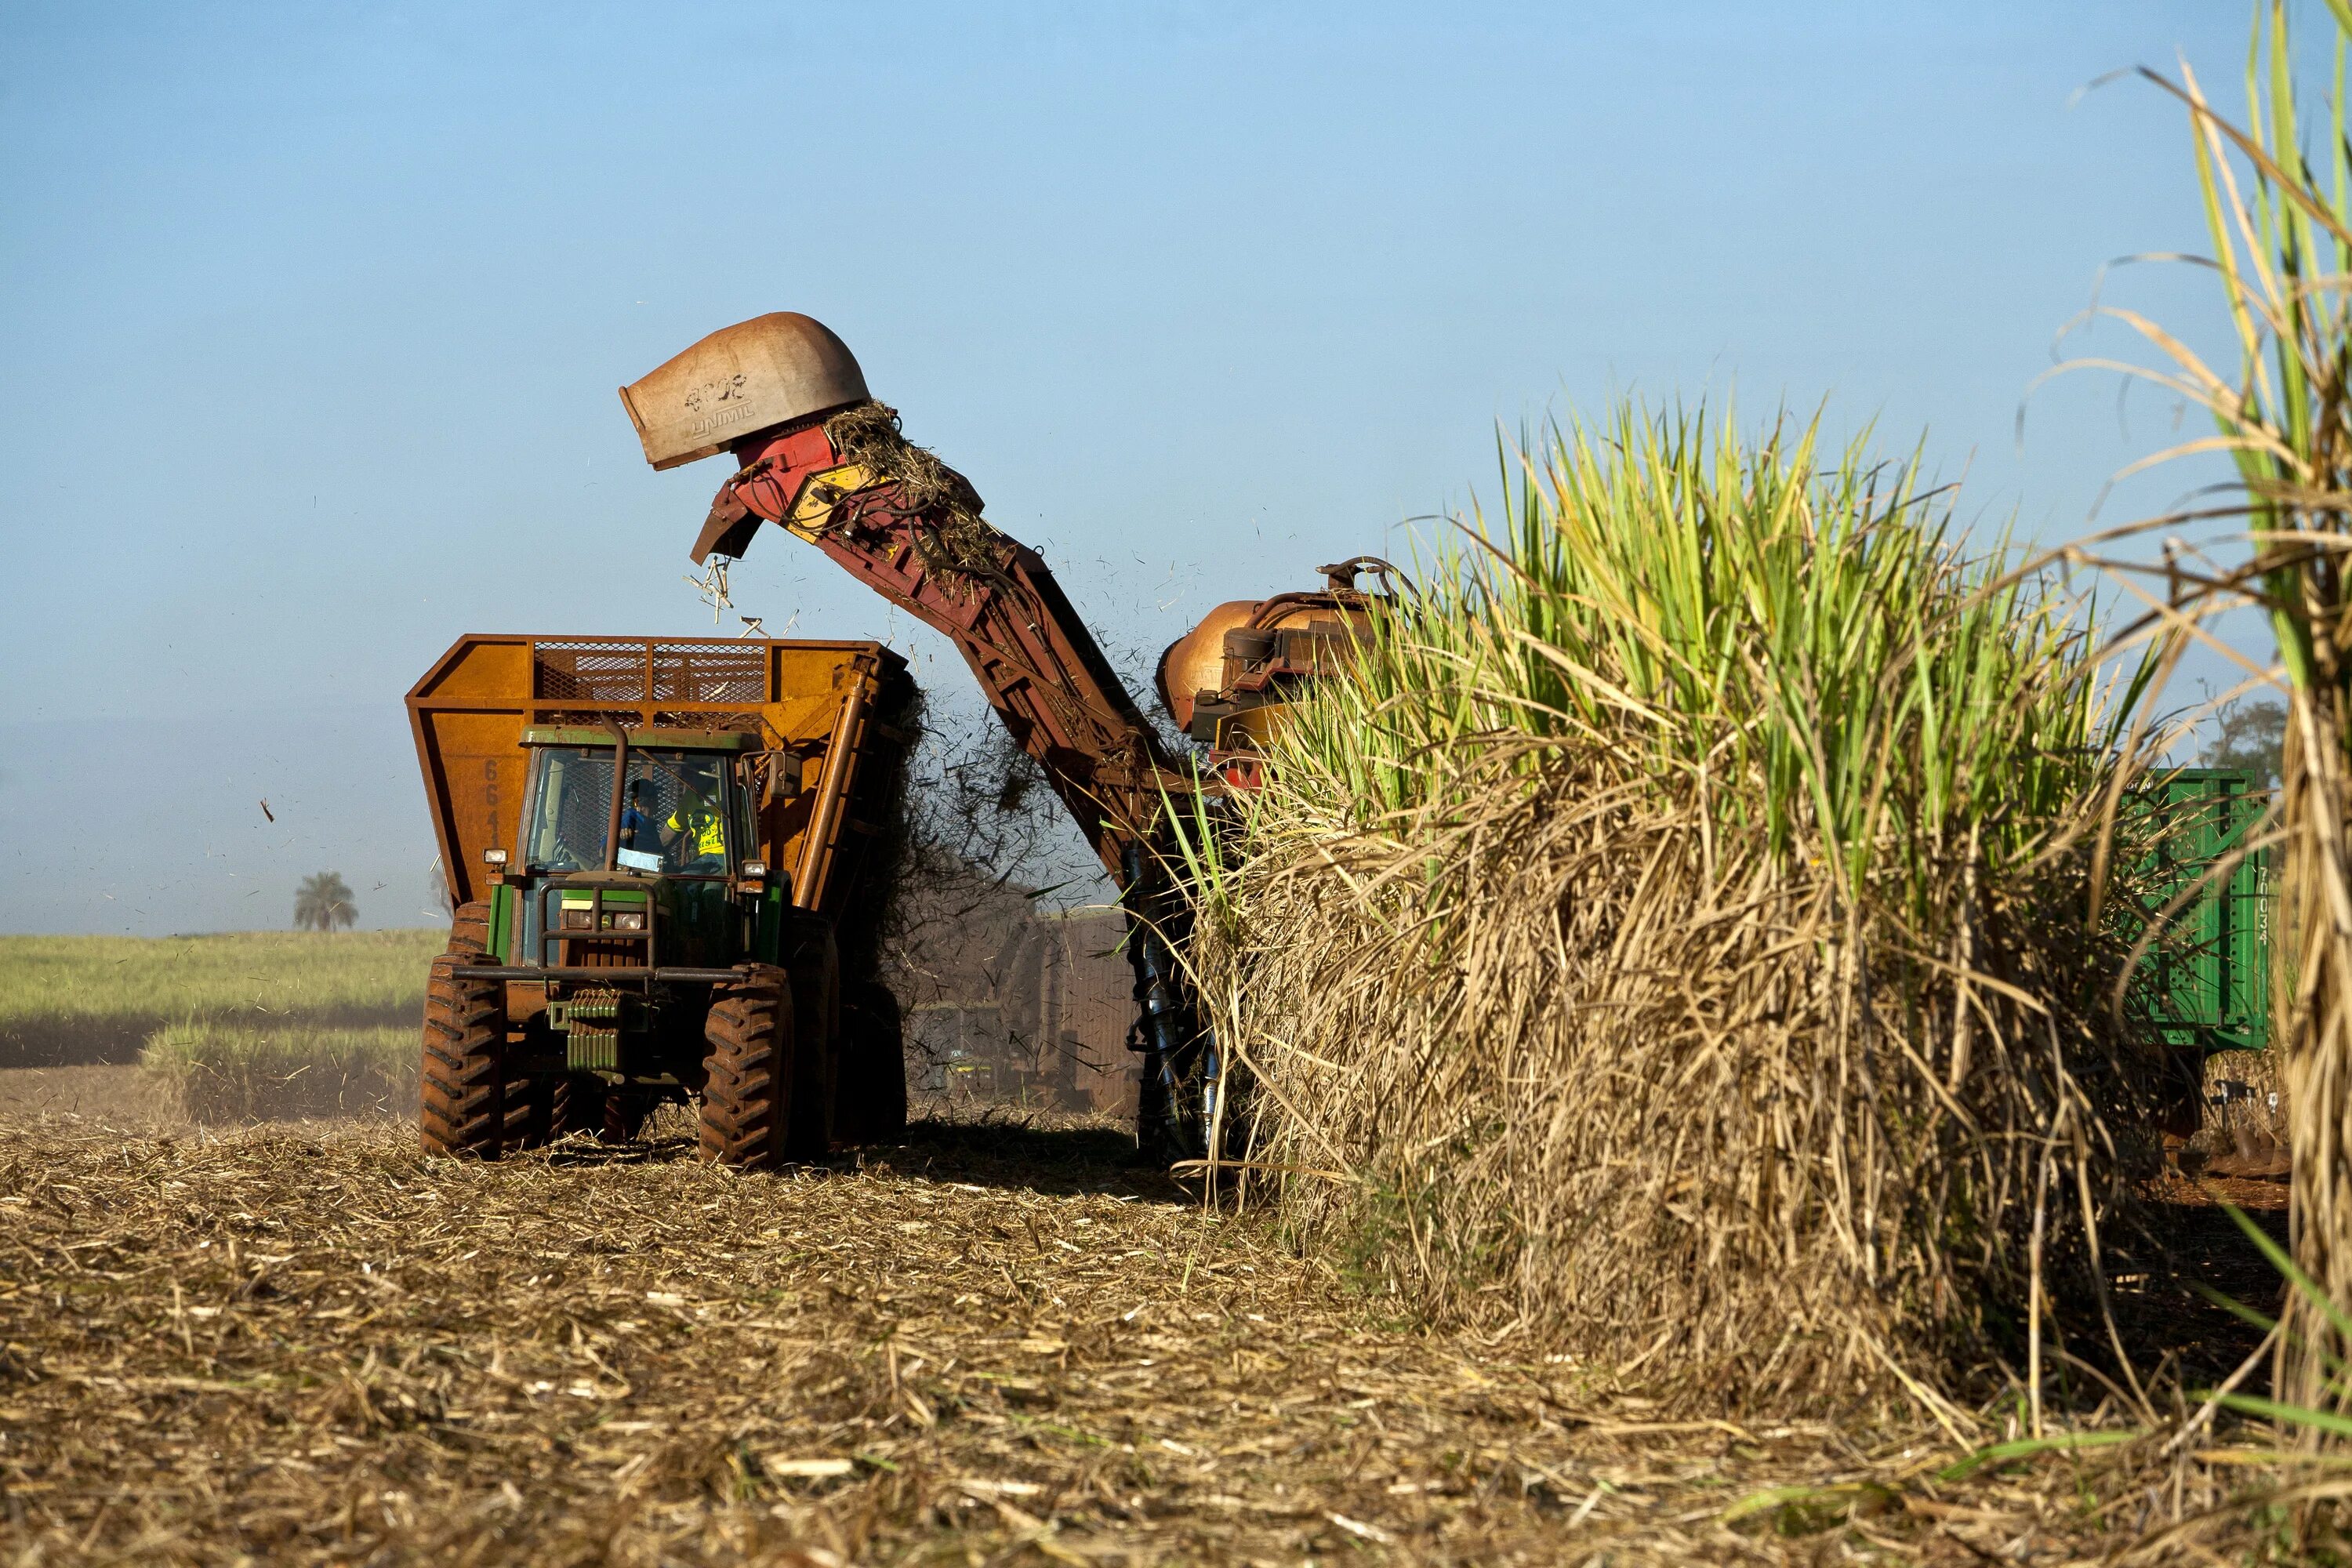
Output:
x,y
1687,1088
993,1343
1692,1124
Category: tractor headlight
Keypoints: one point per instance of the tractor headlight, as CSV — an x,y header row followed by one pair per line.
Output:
x,y
633,919
576,917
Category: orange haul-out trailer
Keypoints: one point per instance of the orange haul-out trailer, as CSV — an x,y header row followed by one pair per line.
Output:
x,y
669,860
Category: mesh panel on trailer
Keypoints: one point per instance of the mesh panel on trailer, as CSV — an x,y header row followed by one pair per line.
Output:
x,y
710,672
593,671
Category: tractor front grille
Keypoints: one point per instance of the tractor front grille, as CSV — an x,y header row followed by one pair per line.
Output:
x,y
600,952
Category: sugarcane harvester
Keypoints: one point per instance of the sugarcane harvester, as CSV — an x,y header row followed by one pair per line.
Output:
x,y
815,454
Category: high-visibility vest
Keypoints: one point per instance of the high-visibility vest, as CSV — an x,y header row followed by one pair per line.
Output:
x,y
709,837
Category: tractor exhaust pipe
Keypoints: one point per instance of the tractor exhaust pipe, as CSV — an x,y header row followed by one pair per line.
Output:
x,y
620,783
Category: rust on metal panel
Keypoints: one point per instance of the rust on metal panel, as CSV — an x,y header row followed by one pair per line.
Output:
x,y
829,800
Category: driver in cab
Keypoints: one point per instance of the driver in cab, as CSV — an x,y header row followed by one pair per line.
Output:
x,y
694,831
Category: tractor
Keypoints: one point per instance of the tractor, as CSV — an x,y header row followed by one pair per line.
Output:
x,y
669,861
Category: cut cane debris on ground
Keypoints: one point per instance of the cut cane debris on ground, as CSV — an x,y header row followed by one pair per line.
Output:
x,y
996,1343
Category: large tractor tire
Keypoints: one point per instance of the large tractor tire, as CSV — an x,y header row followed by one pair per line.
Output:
x,y
469,928
746,1091
468,1106
815,968
873,1068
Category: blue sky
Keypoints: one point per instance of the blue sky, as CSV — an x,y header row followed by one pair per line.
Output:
x,y
311,320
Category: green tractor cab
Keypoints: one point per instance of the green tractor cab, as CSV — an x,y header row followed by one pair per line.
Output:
x,y
666,873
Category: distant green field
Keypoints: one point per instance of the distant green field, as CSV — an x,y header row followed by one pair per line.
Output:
x,y
97,999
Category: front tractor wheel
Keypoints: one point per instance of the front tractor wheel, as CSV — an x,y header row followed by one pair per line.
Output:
x,y
469,928
747,1094
468,1104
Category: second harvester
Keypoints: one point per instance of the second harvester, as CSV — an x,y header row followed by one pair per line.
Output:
x,y
813,452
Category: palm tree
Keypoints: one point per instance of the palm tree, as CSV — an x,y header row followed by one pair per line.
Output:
x,y
322,902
